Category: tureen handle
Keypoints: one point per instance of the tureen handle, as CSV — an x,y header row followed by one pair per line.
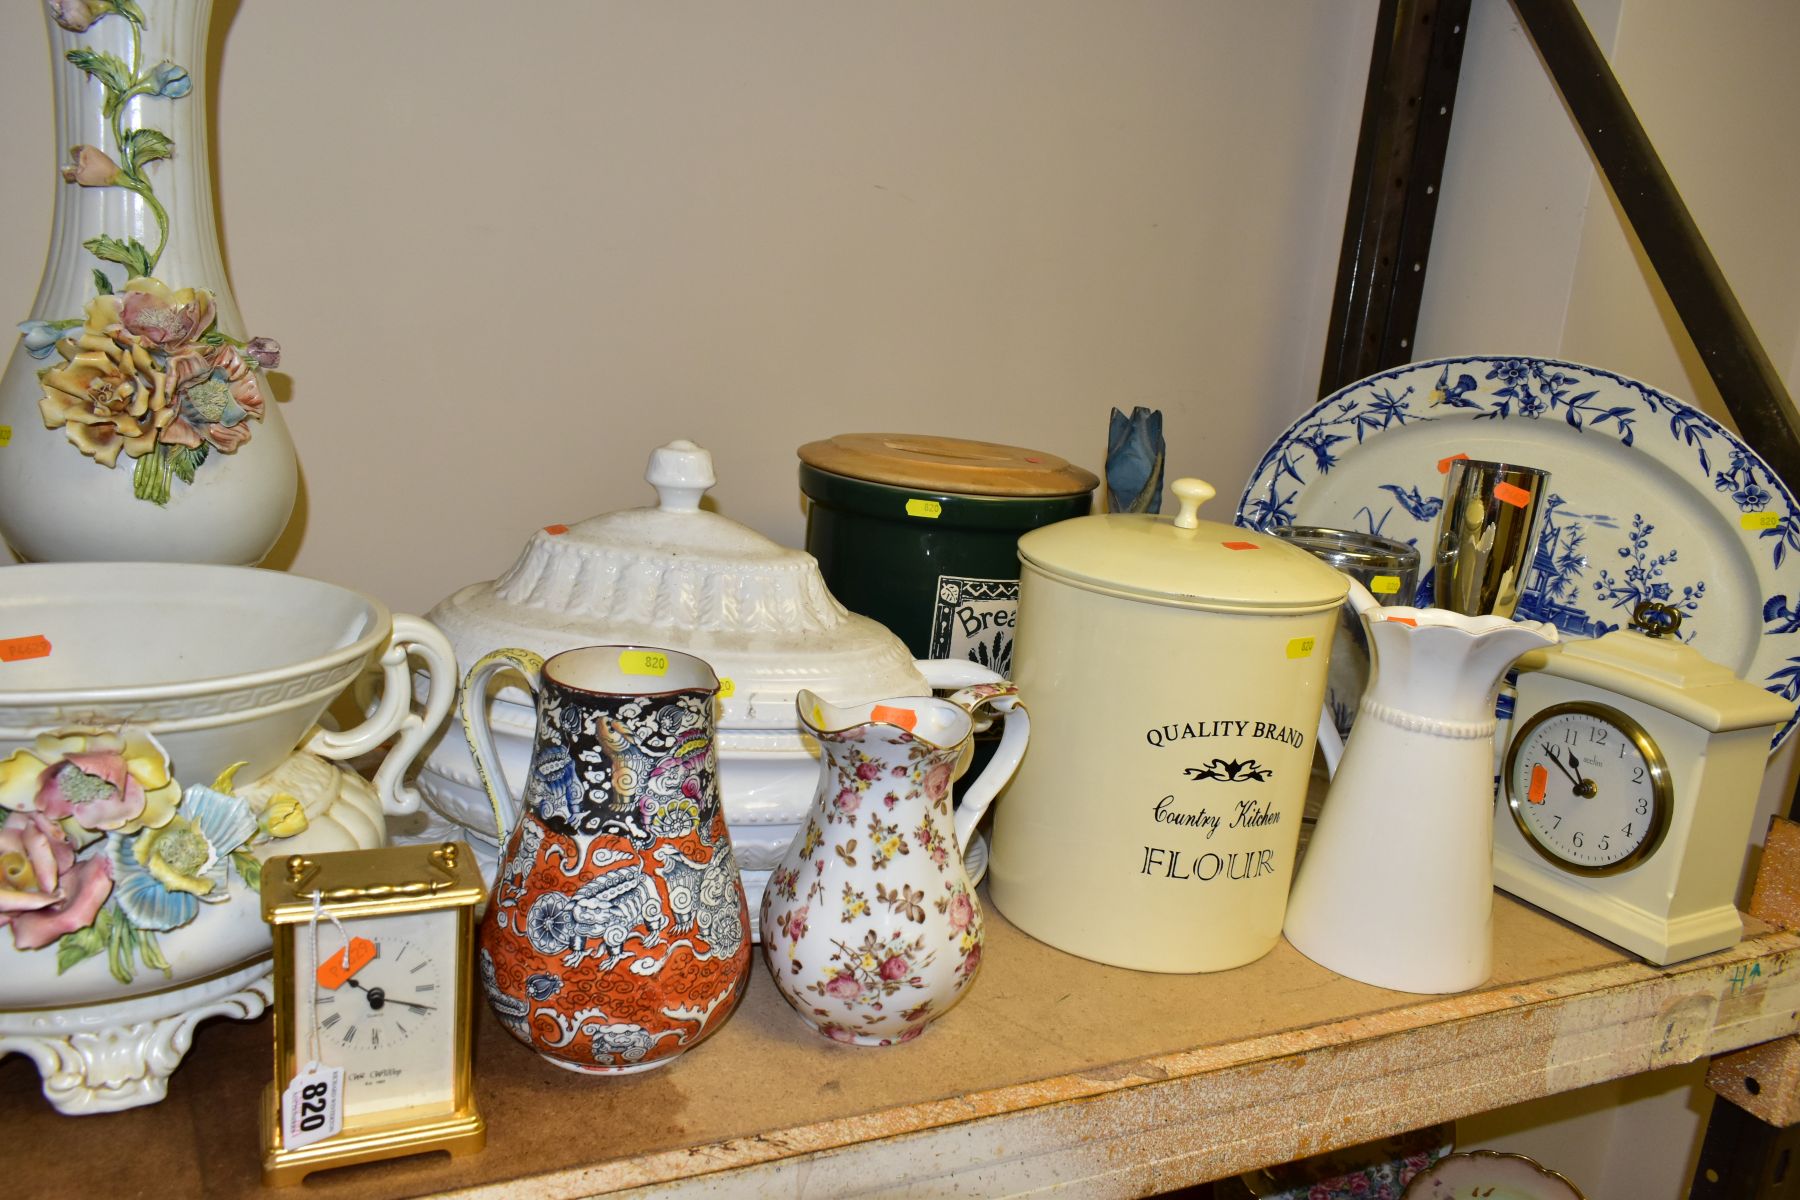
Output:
x,y
393,714
1004,698
480,734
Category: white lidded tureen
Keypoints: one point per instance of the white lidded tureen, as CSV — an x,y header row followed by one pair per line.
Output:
x,y
677,576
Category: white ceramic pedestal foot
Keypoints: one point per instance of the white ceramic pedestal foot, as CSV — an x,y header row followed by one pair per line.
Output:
x,y
119,1054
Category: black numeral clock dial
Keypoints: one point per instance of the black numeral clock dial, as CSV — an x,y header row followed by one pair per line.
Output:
x,y
1588,788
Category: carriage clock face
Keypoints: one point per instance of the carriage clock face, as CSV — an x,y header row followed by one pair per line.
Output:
x,y
1588,788
373,984
390,1023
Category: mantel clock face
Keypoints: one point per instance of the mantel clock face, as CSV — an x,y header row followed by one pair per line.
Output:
x,y
373,954
1589,788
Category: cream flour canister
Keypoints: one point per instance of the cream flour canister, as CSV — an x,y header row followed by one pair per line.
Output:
x,y
1176,669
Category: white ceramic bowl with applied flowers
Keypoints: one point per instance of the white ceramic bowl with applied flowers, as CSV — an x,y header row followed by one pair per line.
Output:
x,y
159,737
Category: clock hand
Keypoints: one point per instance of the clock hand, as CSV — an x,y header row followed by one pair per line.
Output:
x,y
416,1007
1584,787
1560,764
375,996
378,998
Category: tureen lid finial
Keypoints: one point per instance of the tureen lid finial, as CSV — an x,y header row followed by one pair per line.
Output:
x,y
681,473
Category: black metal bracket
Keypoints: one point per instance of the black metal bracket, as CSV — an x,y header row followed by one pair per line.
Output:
x,y
1407,107
1744,1158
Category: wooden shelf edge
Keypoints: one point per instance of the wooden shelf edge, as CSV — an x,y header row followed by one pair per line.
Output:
x,y
1213,1112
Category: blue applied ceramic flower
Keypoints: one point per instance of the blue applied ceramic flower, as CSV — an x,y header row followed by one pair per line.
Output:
x,y
40,337
170,81
161,875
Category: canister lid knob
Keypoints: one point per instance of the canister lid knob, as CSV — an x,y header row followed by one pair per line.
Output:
x,y
1191,493
681,472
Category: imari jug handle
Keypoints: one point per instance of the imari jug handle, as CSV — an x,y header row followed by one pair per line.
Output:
x,y
480,734
1003,698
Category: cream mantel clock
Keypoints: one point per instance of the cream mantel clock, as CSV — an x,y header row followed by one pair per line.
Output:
x,y
373,995
1629,788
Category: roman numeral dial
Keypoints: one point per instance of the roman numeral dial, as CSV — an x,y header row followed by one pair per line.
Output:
x,y
383,1002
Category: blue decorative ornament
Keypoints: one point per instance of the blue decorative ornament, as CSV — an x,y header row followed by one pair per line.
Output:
x,y
1134,461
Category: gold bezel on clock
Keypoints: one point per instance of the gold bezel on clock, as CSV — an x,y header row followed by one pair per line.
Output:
x,y
368,885
1662,790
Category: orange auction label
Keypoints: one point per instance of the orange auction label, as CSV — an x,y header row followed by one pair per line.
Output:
x,y
905,718
1539,777
1402,621
556,530
1444,463
17,649
1240,545
337,969
1512,493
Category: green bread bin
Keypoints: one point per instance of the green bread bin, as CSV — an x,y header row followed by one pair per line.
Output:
x,y
922,533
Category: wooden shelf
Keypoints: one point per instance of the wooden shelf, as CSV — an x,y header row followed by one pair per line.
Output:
x,y
1053,1070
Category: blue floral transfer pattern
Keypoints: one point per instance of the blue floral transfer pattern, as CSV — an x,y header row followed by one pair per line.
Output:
x,y
1609,540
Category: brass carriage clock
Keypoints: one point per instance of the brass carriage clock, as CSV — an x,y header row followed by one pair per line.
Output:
x,y
373,999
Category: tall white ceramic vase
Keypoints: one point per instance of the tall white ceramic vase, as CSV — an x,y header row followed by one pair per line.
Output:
x,y
1397,885
58,502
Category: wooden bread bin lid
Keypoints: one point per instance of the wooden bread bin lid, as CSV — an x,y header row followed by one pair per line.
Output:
x,y
945,464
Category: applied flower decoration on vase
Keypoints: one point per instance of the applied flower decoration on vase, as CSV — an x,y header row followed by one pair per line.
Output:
x,y
101,850
146,370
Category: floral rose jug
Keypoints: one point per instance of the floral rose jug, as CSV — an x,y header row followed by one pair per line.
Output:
x,y
870,923
617,935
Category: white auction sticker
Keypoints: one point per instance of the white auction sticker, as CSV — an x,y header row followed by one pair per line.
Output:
x,y
312,1106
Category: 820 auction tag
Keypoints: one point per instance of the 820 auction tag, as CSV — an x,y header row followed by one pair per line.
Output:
x,y
643,662
312,1106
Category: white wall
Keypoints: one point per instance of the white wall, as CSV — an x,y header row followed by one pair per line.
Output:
x,y
508,249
